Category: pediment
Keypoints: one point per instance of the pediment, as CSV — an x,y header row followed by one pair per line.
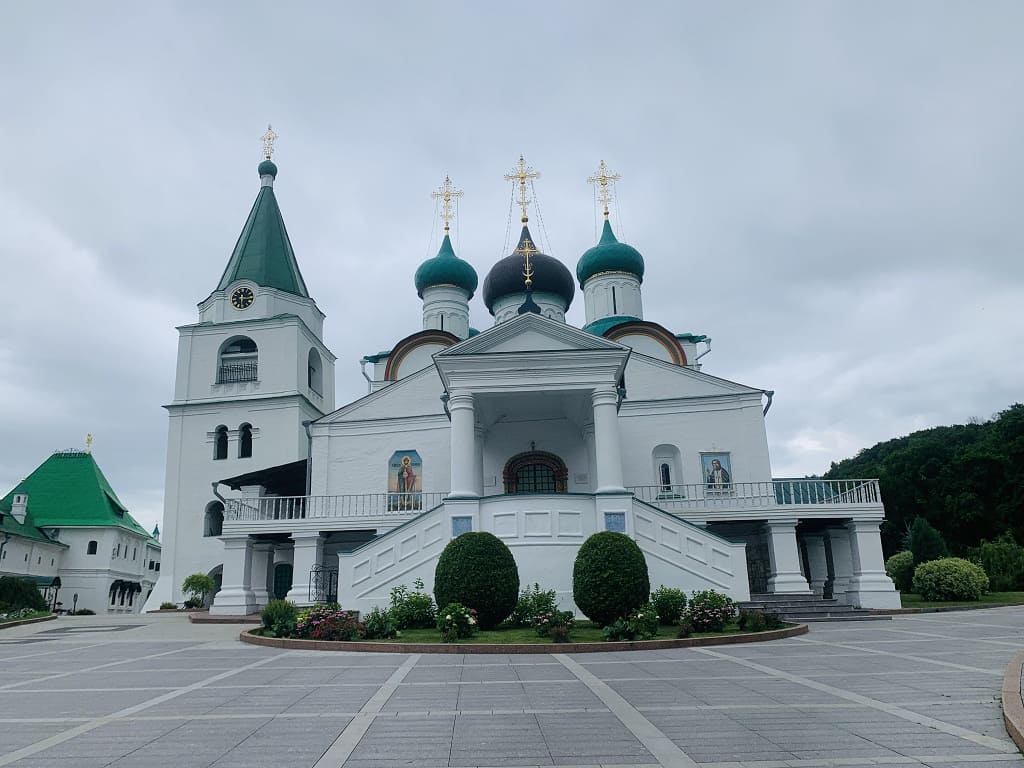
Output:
x,y
530,333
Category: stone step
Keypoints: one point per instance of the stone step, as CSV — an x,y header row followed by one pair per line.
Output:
x,y
854,616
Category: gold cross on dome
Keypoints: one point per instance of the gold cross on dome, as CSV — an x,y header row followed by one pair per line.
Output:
x,y
603,177
88,443
268,142
446,193
522,174
527,248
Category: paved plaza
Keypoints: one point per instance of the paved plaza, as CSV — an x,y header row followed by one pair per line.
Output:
x,y
88,691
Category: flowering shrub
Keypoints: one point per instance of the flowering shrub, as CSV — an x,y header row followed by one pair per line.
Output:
x,y
641,624
328,622
378,625
412,610
18,613
669,603
709,611
456,622
533,603
556,625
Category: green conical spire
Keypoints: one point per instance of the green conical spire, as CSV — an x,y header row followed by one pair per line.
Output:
x,y
263,253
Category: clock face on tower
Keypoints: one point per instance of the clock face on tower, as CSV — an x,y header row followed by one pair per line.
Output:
x,y
242,297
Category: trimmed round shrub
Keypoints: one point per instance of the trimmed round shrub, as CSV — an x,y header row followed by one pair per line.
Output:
x,y
477,570
900,568
669,602
950,578
20,593
609,577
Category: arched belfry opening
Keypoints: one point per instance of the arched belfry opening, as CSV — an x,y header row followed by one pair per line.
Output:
x,y
535,472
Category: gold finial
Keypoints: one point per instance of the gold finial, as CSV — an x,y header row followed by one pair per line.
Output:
x,y
446,193
602,177
527,248
522,174
88,443
268,142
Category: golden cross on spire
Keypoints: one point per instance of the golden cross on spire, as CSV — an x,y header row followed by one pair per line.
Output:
x,y
268,142
88,443
527,248
446,193
603,177
522,174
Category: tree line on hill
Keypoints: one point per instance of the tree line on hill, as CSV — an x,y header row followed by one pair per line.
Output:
x,y
966,480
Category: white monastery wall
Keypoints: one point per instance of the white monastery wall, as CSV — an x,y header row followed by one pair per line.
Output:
x,y
30,558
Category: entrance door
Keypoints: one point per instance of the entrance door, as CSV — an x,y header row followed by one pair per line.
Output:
x,y
282,580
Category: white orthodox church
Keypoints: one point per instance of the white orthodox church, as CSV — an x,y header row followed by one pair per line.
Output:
x,y
534,430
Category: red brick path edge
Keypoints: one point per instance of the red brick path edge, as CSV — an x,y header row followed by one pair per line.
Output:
x,y
1013,708
625,645
21,622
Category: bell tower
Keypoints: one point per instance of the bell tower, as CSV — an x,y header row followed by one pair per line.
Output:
x,y
249,373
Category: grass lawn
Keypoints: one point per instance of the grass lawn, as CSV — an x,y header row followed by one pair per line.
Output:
x,y
910,600
36,615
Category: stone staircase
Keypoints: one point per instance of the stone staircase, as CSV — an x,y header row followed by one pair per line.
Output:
x,y
806,608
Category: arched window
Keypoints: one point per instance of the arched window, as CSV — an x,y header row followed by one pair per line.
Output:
x,y
666,476
91,549
213,520
220,443
245,441
668,471
238,361
536,472
315,370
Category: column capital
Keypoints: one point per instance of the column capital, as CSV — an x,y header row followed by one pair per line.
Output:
x,y
460,398
236,541
604,396
305,536
262,546
780,524
863,526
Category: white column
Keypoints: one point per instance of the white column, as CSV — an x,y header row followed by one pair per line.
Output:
x,y
588,442
307,552
478,459
607,442
870,586
784,555
816,562
842,562
262,571
460,405
236,596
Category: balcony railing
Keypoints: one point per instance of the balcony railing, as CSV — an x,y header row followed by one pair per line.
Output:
x,y
314,507
765,494
230,373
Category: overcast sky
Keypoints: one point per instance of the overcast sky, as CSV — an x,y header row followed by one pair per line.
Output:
x,y
831,191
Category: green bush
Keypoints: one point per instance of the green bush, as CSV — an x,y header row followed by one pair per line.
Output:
x,y
84,612
18,593
609,577
641,624
279,618
925,542
533,602
412,609
456,622
669,603
1003,561
477,570
709,611
198,585
900,568
167,606
557,626
950,578
378,625
752,621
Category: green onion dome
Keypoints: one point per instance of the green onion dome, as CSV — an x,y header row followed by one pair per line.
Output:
x,y
446,269
609,255
267,168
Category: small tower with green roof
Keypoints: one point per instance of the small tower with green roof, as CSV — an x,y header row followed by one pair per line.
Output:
x,y
610,273
445,282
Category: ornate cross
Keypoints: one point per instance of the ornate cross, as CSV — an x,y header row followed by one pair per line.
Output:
x,y
522,174
268,142
88,443
527,248
446,193
602,177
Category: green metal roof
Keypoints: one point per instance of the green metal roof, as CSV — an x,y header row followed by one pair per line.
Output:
x,y
69,490
609,255
446,269
694,337
603,325
263,253
378,357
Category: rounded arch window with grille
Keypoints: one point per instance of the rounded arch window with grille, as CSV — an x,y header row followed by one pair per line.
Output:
x,y
238,361
245,441
536,472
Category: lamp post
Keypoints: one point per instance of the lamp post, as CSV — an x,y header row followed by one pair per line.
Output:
x,y
74,604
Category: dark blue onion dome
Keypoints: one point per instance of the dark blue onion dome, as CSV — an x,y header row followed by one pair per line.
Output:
x,y
549,275
446,269
267,168
609,255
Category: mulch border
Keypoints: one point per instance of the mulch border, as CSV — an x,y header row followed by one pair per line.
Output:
x,y
22,622
1013,707
512,648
